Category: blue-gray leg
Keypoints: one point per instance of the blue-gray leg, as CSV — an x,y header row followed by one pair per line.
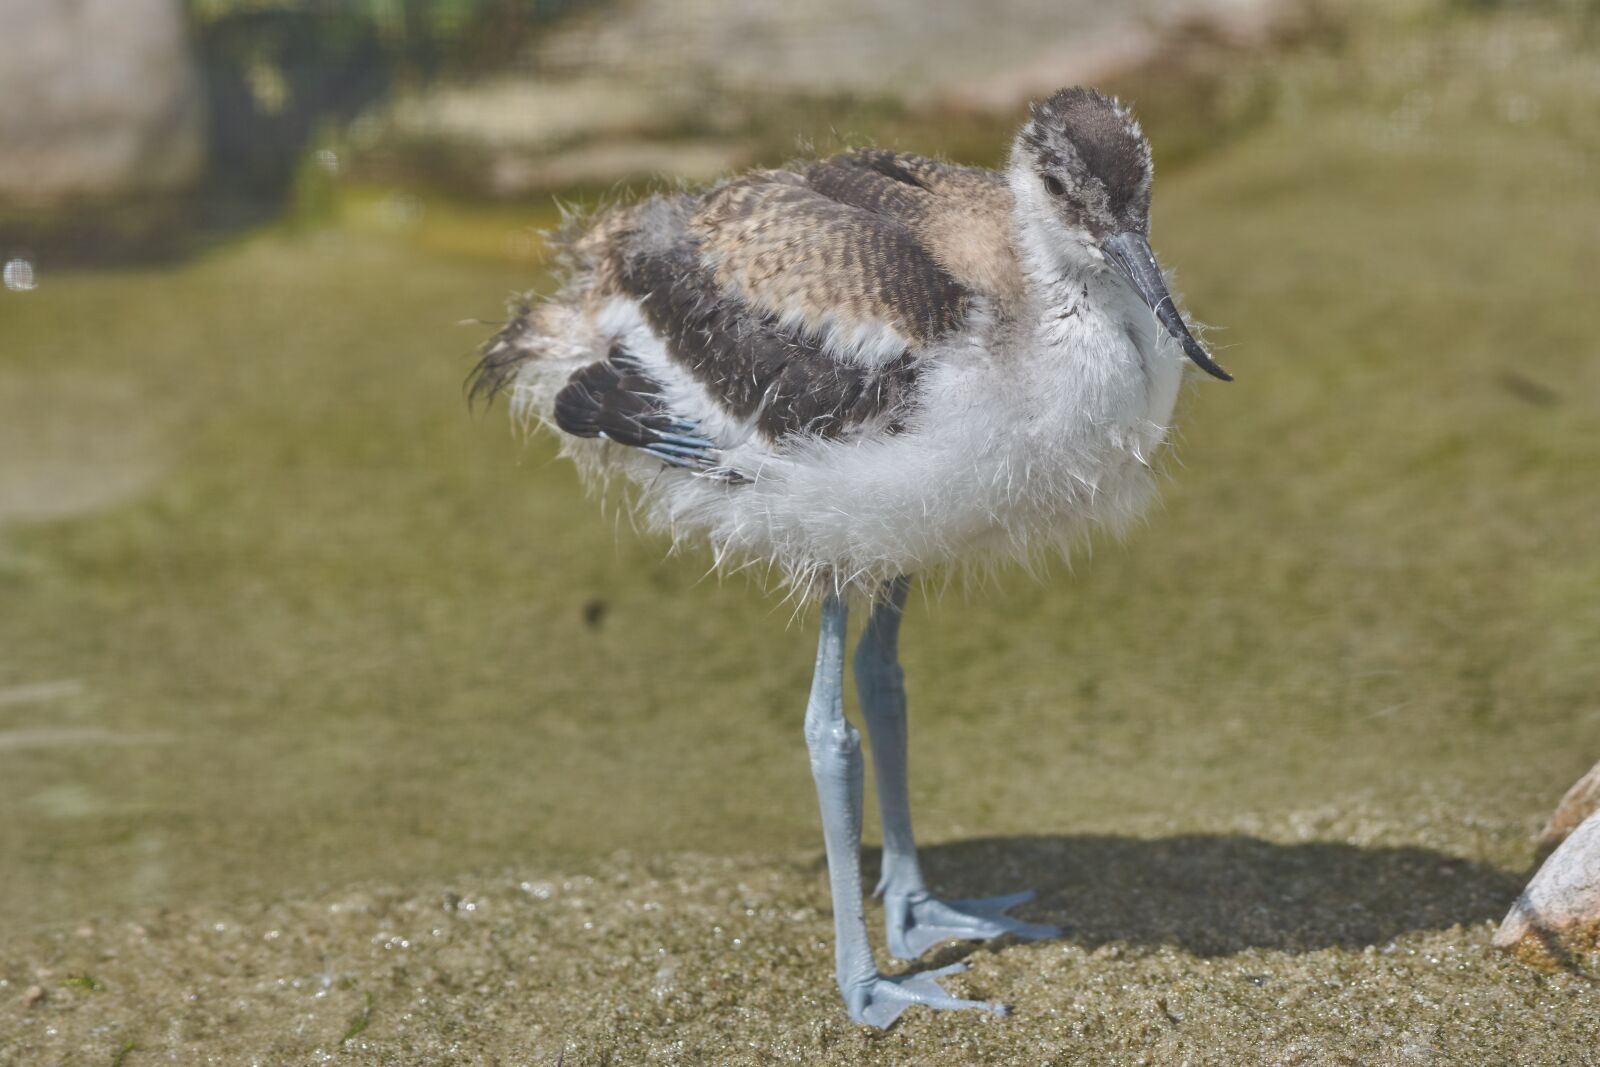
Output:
x,y
835,748
916,920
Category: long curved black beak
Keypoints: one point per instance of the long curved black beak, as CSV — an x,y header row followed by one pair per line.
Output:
x,y
1130,254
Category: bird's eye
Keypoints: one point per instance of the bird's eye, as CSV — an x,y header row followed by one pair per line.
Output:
x,y
1053,186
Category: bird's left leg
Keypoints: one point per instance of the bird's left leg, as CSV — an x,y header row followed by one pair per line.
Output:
x,y
835,747
916,919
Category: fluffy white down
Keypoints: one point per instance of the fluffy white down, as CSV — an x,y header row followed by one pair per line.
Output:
x,y
1026,437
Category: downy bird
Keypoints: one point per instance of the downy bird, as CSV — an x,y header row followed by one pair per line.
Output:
x,y
858,369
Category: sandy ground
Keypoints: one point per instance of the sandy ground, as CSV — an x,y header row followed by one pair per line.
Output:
x,y
1197,949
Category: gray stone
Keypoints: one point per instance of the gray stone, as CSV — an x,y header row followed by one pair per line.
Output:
x,y
98,99
1001,51
609,93
1556,920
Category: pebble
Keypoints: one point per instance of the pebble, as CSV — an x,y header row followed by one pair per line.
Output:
x,y
1556,921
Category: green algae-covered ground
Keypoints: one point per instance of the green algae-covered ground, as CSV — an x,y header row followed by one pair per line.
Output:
x,y
337,727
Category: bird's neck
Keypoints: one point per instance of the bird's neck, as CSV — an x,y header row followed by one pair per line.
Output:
x,y
1065,294
1077,313
1055,267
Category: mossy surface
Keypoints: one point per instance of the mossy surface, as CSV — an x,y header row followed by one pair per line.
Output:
x,y
1276,762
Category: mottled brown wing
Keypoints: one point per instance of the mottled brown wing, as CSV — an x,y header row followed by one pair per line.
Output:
x,y
835,250
960,215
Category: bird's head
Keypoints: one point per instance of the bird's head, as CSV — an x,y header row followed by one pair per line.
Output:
x,y
1080,171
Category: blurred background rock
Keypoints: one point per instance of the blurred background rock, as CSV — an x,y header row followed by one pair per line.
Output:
x,y
137,127
101,103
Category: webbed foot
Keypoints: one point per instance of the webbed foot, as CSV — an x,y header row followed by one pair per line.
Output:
x,y
918,921
881,1001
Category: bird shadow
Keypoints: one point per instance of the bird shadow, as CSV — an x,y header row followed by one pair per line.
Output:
x,y
1215,895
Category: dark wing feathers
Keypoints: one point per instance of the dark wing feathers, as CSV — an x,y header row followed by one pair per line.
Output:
x,y
616,400
611,399
756,367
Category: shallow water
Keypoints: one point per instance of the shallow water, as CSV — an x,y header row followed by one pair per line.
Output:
x,y
279,617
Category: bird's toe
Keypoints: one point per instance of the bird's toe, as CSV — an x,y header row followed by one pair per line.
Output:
x,y
919,921
883,1000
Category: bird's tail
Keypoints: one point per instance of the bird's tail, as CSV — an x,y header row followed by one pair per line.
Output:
x,y
554,332
502,356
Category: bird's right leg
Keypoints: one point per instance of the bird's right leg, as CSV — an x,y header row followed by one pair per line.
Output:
x,y
835,748
916,920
